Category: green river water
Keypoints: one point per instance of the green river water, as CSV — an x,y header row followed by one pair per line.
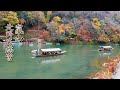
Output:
x,y
78,62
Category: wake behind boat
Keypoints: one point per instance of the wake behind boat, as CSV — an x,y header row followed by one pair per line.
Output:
x,y
47,52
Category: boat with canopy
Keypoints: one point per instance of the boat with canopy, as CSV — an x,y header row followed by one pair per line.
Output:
x,y
47,52
106,48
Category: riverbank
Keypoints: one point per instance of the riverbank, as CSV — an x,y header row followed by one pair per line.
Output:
x,y
111,70
116,74
63,41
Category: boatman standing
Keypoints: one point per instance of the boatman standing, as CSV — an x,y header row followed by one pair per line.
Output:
x,y
37,52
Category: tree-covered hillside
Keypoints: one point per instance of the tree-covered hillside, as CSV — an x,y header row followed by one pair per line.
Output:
x,y
84,26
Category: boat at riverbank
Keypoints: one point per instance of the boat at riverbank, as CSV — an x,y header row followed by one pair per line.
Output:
x,y
47,52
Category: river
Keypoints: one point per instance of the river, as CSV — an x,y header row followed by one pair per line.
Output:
x,y
79,62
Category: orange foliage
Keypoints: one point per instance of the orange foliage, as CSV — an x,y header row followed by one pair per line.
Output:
x,y
61,29
44,35
110,68
84,34
57,19
22,21
112,28
103,38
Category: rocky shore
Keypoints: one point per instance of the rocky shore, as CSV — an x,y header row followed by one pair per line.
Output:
x,y
116,74
111,71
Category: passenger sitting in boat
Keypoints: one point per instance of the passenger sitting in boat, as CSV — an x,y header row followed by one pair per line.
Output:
x,y
56,53
53,52
50,53
43,53
47,53
1,40
59,51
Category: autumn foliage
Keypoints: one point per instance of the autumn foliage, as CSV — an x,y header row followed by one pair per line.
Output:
x,y
110,68
44,35
103,38
86,26
22,21
11,18
96,23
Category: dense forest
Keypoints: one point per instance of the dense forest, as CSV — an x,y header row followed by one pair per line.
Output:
x,y
66,26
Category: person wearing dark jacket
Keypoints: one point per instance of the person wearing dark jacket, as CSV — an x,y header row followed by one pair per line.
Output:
x,y
1,40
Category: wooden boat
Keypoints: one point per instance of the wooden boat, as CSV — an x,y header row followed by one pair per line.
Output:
x,y
106,48
47,52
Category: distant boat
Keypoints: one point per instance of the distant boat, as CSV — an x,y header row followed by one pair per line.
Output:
x,y
105,48
47,52
57,43
48,43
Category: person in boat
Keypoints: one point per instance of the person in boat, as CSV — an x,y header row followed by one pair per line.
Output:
x,y
56,53
101,48
59,51
52,52
42,53
1,40
37,52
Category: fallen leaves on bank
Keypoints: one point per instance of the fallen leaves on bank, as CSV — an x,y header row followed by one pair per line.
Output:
x,y
110,68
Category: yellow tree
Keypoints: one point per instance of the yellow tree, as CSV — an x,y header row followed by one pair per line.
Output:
x,y
56,21
3,14
115,37
2,24
11,18
96,23
103,38
69,28
61,29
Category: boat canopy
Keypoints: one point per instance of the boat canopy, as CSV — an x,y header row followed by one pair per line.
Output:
x,y
105,46
51,50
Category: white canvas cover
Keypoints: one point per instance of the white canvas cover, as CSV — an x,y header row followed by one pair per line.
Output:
x,y
51,50
106,46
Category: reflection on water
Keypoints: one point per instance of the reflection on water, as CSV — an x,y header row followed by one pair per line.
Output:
x,y
31,44
32,57
18,45
107,53
50,61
